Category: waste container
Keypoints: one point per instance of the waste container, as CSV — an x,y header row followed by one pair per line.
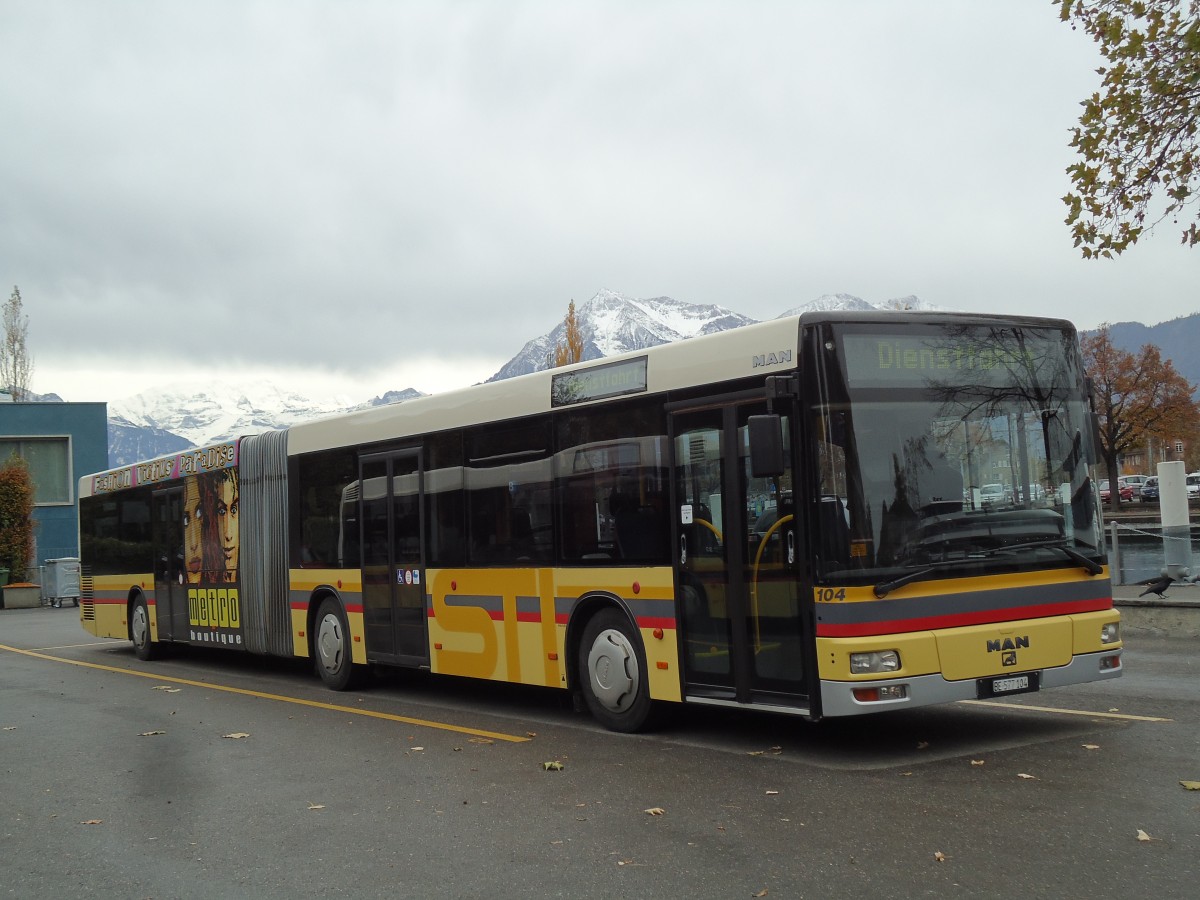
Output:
x,y
60,581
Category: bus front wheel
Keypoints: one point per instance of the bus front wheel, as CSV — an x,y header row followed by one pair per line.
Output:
x,y
332,646
612,672
139,631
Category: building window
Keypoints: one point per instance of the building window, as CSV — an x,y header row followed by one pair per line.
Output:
x,y
49,461
1179,448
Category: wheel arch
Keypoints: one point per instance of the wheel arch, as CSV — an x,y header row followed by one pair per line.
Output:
x,y
585,609
136,593
319,595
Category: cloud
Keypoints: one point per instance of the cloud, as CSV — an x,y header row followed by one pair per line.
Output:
x,y
337,186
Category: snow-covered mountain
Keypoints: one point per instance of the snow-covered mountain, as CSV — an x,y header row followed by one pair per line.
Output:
x,y
612,323
175,417
832,302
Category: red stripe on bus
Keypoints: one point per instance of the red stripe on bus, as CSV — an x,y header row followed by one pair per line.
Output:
x,y
984,617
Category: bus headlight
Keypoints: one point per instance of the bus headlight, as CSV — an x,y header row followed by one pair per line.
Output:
x,y
1110,633
874,662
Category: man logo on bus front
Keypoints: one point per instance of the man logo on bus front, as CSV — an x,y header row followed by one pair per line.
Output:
x,y
1009,658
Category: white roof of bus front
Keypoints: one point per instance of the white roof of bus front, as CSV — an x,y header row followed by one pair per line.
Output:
x,y
702,360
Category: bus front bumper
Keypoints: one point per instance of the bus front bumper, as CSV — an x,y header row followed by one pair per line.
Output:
x,y
853,698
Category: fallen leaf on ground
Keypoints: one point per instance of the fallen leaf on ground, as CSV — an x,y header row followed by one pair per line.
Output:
x,y
772,793
92,822
416,748
939,856
1142,836
553,766
10,727
237,735
655,811
148,733
1191,785
482,741
922,745
316,805
1030,777
1091,746
167,688
761,893
977,762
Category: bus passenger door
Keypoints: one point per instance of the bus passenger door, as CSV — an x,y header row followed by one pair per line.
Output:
x,y
170,582
393,569
736,541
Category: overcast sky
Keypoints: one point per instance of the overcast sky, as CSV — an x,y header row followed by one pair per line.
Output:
x,y
363,196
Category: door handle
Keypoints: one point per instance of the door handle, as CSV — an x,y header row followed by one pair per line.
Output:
x,y
683,550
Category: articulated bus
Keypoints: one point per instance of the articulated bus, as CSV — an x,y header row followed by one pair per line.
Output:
x,y
789,516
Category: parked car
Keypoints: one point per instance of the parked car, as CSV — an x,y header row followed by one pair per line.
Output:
x,y
1125,490
1149,490
1193,485
992,493
1135,482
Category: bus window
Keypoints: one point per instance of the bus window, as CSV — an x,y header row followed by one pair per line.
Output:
x,y
612,486
508,495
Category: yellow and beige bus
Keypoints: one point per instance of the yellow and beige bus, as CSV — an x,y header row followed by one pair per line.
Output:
x,y
789,516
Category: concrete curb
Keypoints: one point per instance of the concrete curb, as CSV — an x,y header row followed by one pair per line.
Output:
x,y
1177,615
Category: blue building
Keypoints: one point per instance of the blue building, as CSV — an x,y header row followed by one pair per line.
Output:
x,y
60,442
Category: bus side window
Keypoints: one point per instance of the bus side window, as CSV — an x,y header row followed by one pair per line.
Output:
x,y
508,494
611,479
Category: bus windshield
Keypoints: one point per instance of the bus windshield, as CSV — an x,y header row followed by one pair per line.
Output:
x,y
951,450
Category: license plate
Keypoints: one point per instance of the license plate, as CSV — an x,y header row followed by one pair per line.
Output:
x,y
1010,684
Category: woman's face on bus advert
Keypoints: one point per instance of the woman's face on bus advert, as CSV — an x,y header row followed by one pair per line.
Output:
x,y
193,531
227,516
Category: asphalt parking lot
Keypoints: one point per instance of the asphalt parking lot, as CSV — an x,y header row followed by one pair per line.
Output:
x,y
207,775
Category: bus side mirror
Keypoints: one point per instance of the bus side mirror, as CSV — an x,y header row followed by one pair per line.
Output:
x,y
766,446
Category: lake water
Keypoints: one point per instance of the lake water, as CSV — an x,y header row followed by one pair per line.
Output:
x,y
1141,552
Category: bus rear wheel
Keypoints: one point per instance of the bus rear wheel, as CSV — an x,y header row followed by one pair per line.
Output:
x,y
139,631
612,672
331,646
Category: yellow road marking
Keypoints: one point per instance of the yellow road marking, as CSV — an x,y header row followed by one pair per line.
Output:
x,y
408,720
1068,712
73,646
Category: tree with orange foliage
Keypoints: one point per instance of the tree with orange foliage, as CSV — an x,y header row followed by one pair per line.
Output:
x,y
16,517
570,348
1137,396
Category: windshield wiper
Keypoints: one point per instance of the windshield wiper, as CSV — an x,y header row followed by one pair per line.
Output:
x,y
1093,567
886,587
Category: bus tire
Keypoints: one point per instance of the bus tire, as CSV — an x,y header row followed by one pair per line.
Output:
x,y
331,646
144,648
612,672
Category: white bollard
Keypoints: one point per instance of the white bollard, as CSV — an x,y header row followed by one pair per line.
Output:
x,y
1173,508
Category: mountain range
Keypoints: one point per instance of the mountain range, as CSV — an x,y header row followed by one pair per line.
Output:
x,y
175,417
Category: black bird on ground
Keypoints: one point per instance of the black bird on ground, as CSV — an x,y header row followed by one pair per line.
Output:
x,y
1157,586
